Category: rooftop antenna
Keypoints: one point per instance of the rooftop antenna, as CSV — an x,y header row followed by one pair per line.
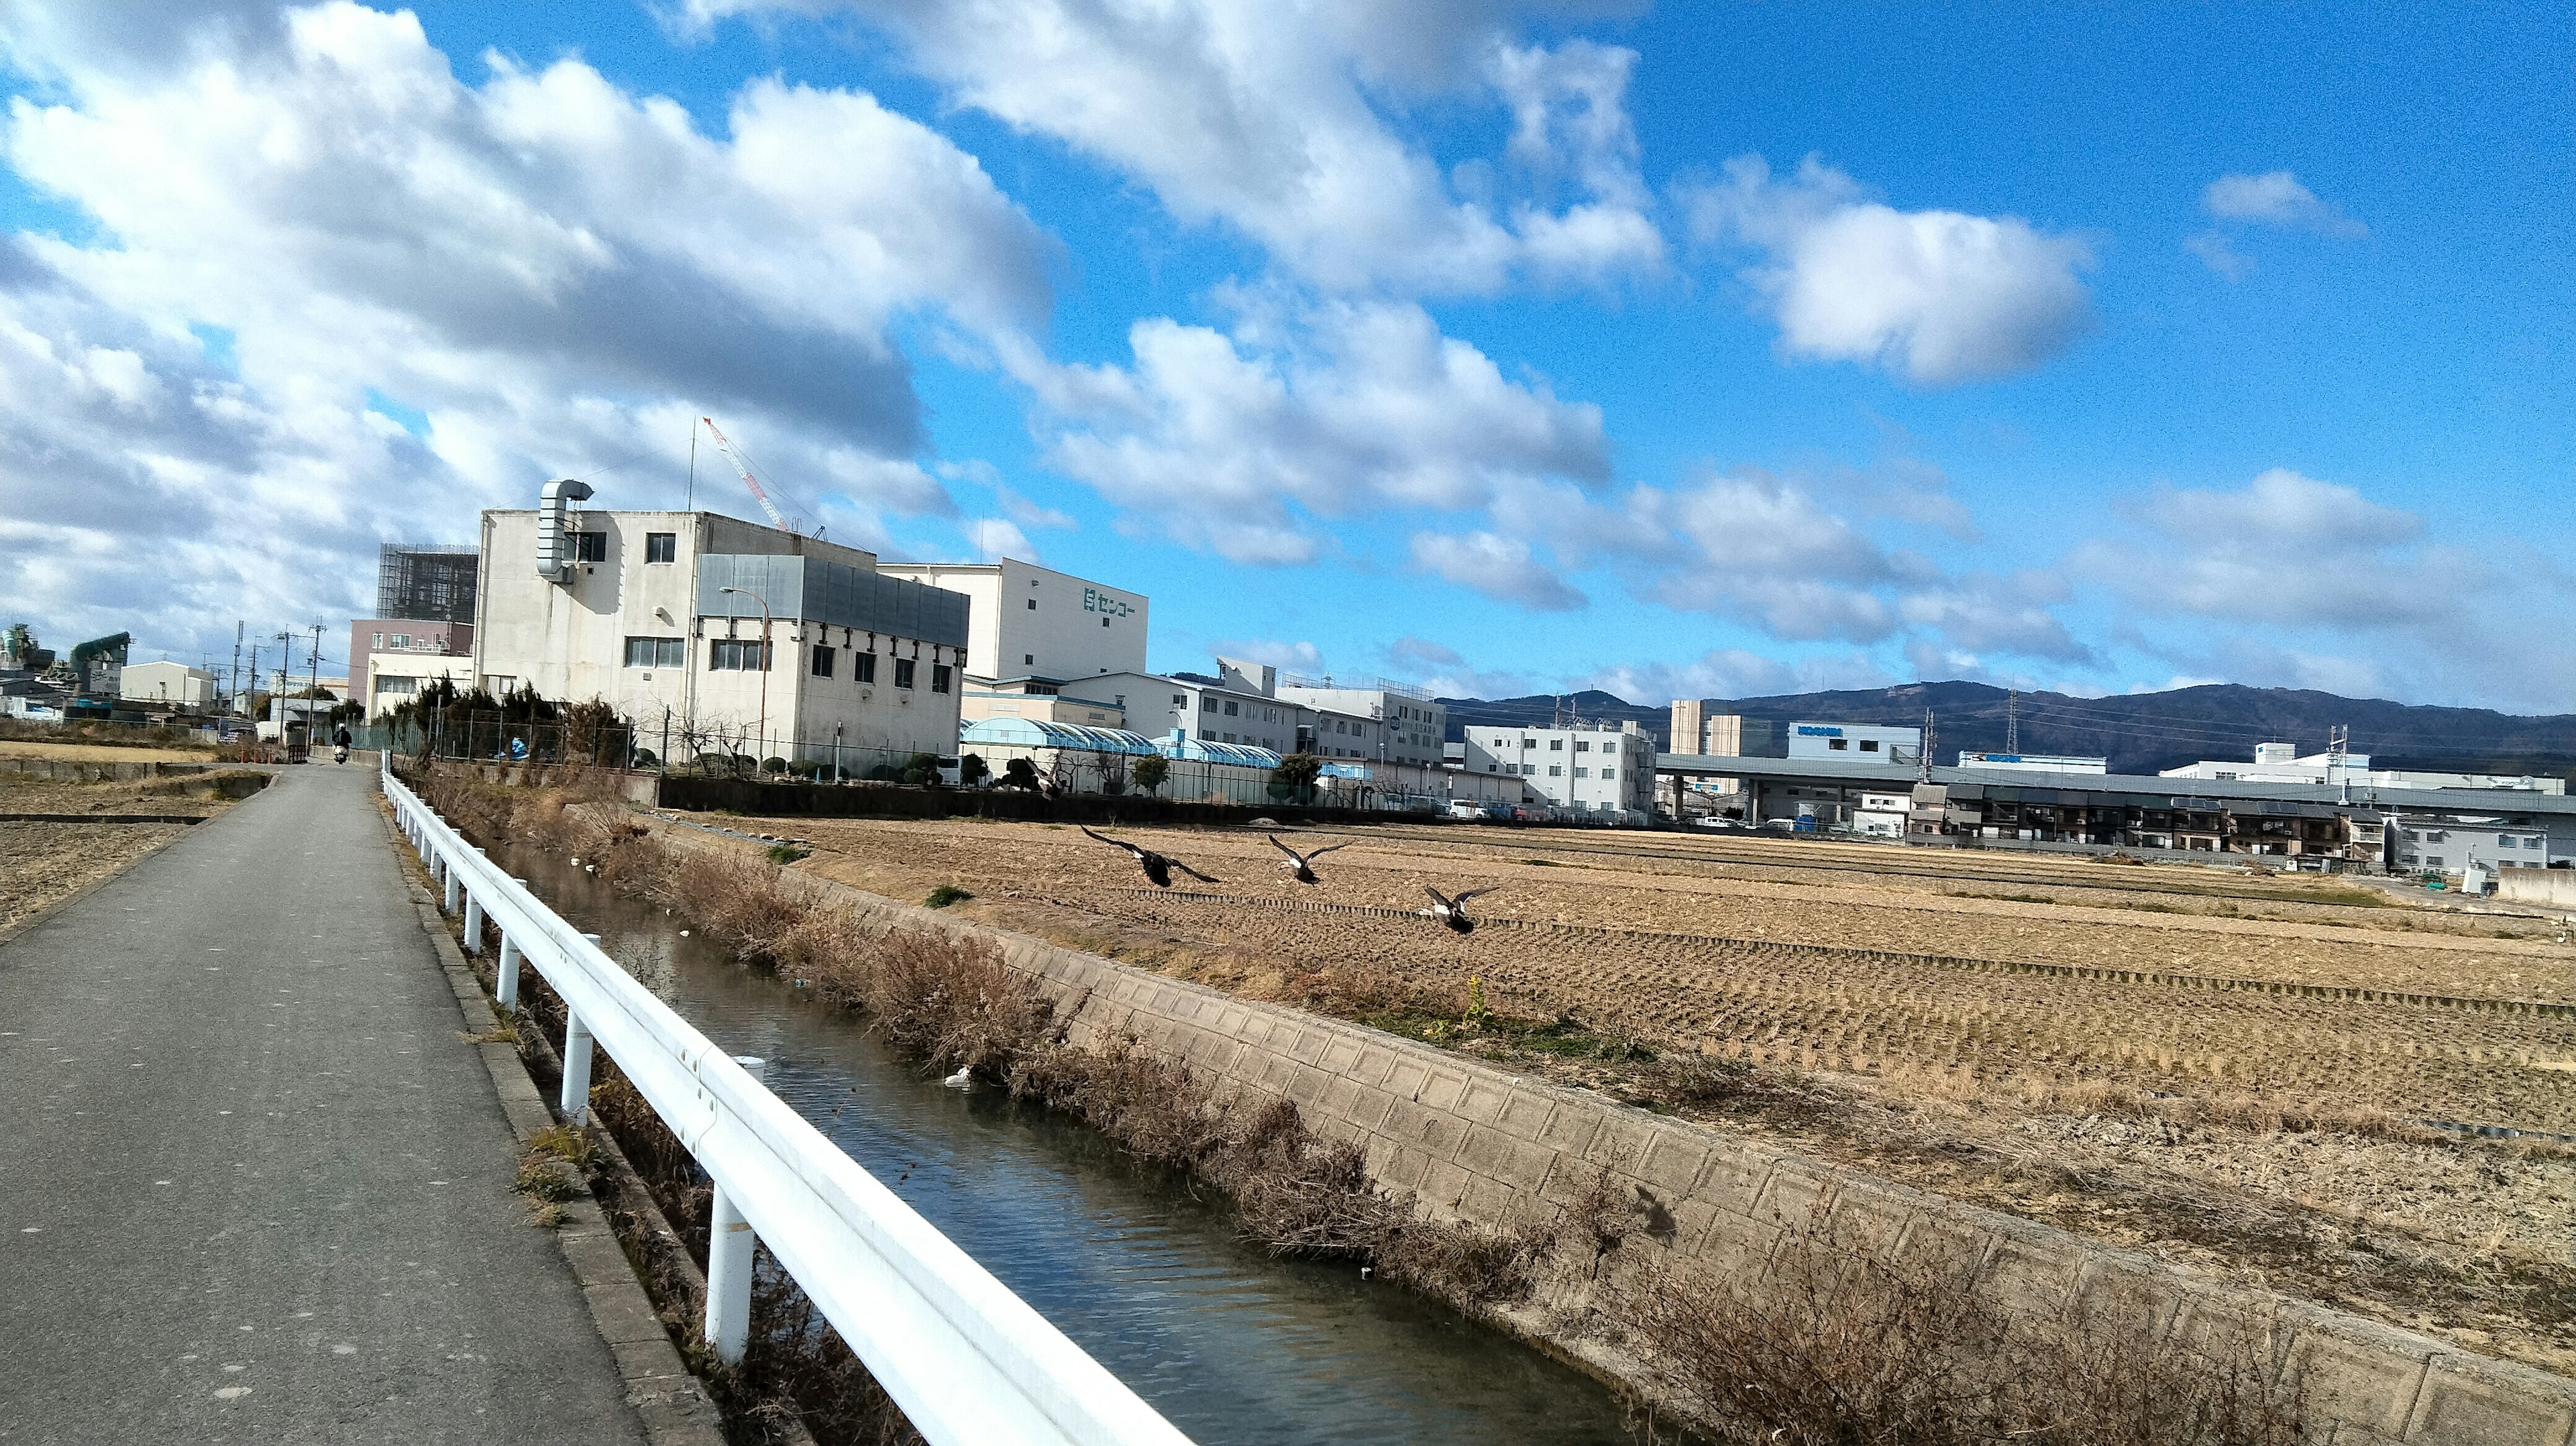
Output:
x,y
2338,751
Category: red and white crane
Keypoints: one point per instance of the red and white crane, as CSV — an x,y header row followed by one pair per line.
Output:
x,y
748,480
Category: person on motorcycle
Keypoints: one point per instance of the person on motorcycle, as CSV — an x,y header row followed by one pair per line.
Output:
x,y
340,744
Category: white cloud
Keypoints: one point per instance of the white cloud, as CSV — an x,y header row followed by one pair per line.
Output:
x,y
1938,297
1735,673
1288,657
557,274
2214,252
2276,198
1284,123
1028,513
1444,672
1499,567
995,538
1232,441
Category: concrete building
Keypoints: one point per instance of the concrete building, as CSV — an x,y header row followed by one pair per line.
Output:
x,y
1040,700
1239,704
1026,621
661,615
390,659
174,684
2282,763
1402,724
1579,770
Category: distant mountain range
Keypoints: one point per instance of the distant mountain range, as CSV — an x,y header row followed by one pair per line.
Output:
x,y
2138,732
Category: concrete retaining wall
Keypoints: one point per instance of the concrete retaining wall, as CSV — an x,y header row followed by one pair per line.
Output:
x,y
2550,888
1475,1144
70,770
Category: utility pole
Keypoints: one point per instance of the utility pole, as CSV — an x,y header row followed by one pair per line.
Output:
x,y
242,697
2012,721
313,684
277,701
1923,755
232,679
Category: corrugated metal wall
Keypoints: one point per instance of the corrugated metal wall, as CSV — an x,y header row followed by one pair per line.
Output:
x,y
821,591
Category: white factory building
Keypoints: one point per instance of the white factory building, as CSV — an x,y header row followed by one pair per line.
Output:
x,y
2283,763
662,615
1581,770
175,684
1026,621
1405,725
1859,742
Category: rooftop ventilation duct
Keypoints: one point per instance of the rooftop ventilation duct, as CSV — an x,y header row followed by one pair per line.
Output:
x,y
554,550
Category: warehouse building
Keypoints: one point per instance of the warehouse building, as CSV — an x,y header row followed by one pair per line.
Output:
x,y
1599,770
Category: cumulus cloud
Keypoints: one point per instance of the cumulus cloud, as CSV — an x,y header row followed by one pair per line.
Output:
x,y
1232,441
547,273
1502,568
1282,122
2276,198
1288,657
1938,297
995,538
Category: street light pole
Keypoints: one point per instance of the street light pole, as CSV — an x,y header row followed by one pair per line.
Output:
x,y
764,664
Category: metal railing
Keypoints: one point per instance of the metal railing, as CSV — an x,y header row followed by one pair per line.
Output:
x,y
966,1360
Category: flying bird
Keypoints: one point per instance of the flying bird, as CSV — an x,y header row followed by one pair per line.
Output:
x,y
1301,867
1453,912
1157,867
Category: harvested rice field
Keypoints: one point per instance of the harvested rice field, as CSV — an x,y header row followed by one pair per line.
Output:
x,y
46,861
2227,1070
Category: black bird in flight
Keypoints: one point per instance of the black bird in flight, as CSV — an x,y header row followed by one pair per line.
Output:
x,y
1301,867
1157,867
1453,912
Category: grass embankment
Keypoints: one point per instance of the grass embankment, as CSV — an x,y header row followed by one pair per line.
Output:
x,y
1828,1348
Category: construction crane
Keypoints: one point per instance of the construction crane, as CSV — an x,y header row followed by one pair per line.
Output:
x,y
739,465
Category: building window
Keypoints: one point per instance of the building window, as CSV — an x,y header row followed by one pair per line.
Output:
x,y
939,673
1229,710
1609,748
395,685
1582,772
1556,745
736,655
661,546
1609,773
1869,745
903,668
1180,700
1582,747
656,652
1033,604
822,661
863,667
1104,622
402,640
589,546
1556,770
380,640
1206,704
1838,745
1529,743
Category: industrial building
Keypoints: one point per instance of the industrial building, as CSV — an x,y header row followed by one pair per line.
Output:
x,y
174,685
664,615
2033,762
1402,724
1026,621
2282,763
424,618
2342,825
1597,770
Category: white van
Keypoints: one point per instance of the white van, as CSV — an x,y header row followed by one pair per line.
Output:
x,y
1466,809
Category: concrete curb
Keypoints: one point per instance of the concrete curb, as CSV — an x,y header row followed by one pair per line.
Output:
x,y
670,1402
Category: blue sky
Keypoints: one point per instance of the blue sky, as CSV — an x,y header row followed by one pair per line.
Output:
x,y
1696,350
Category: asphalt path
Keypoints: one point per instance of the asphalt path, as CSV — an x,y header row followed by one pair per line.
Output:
x,y
253,1185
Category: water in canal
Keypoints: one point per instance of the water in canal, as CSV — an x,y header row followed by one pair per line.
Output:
x,y
1231,1345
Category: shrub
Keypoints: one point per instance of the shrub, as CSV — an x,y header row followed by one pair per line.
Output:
x,y
972,770
945,895
1151,773
773,764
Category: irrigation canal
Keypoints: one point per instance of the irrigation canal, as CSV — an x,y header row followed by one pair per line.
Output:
x,y
1232,1345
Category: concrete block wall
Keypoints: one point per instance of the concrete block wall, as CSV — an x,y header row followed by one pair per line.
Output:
x,y
1473,1143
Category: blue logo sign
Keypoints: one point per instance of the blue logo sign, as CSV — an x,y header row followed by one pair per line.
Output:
x,y
1810,730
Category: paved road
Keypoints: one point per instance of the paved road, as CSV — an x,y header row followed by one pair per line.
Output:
x,y
252,1185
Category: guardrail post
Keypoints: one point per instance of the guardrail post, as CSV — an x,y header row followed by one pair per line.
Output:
x,y
575,1101
473,923
729,1245
505,978
447,869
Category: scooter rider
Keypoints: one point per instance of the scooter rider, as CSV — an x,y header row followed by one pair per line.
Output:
x,y
340,744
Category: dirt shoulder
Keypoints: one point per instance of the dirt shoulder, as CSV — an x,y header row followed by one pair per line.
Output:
x,y
44,864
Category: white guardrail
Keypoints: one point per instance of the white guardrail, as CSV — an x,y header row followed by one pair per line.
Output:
x,y
968,1361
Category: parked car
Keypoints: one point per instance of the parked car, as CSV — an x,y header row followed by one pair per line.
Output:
x,y
1467,809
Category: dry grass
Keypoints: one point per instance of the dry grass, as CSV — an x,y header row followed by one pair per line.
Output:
x,y
1837,1347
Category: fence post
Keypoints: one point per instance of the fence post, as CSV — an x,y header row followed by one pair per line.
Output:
x,y
729,1245
473,923
575,1100
447,871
